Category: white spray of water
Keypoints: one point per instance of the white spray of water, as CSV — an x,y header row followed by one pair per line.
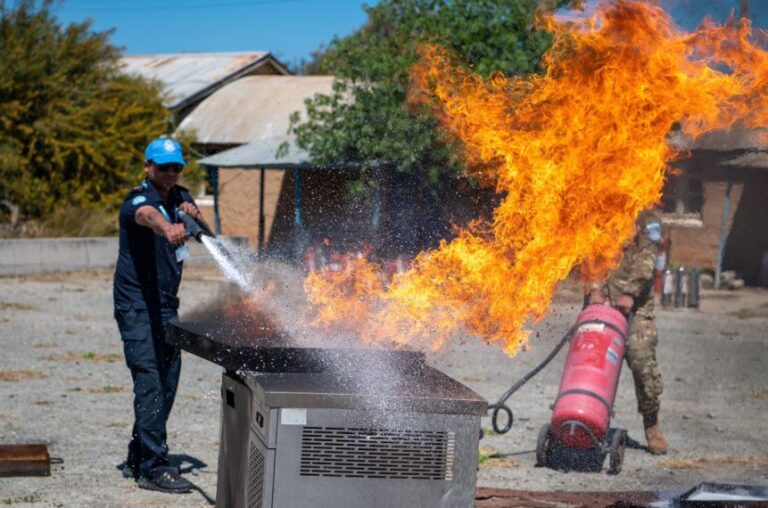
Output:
x,y
377,378
232,259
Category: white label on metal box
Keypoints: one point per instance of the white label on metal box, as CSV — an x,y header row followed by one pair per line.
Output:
x,y
293,416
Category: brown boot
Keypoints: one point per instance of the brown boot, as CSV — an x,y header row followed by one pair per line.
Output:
x,y
657,445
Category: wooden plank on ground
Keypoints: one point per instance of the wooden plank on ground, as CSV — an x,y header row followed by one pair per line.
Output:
x,y
506,498
24,460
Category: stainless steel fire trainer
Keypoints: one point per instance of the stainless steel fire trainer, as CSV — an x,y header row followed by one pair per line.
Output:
x,y
317,427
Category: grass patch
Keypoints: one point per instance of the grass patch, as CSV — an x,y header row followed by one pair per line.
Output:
x,y
501,462
109,389
485,454
17,306
761,394
753,312
45,345
29,498
88,356
14,376
74,221
703,462
489,457
720,295
101,389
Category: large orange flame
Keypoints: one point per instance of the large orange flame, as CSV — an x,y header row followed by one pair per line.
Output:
x,y
576,153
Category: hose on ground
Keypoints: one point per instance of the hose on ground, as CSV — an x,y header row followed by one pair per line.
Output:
x,y
500,405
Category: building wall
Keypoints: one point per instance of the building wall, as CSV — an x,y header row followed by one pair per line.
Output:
x,y
239,202
267,69
696,245
326,214
746,250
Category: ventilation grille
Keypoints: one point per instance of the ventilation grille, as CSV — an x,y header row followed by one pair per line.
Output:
x,y
255,477
377,453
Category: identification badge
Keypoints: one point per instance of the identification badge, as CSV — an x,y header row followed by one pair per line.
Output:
x,y
182,253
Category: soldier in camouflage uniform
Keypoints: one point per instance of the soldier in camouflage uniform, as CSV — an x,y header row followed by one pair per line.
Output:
x,y
630,289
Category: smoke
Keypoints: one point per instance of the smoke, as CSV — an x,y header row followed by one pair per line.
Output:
x,y
273,312
273,305
687,14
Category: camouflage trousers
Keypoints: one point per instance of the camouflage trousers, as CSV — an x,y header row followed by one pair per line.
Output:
x,y
641,358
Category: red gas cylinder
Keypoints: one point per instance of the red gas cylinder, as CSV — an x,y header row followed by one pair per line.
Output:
x,y
588,385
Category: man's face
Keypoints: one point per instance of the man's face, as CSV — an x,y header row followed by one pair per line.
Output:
x,y
163,176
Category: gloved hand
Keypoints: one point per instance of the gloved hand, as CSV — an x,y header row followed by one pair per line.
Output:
x,y
625,303
597,297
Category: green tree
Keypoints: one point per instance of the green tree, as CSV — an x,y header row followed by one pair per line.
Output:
x,y
366,122
73,128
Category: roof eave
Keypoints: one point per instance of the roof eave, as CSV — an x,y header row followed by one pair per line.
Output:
x,y
205,92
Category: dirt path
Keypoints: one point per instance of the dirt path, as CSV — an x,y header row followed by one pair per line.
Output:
x,y
63,382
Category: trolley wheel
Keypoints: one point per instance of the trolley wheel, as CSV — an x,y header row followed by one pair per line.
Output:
x,y
616,451
543,446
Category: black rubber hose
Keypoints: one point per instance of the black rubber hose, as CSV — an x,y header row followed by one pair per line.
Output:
x,y
500,406
194,228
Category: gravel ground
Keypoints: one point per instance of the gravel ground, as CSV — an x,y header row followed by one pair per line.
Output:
x,y
63,382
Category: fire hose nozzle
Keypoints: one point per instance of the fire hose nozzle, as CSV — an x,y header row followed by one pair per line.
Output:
x,y
194,229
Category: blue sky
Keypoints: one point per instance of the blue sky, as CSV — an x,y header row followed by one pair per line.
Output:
x,y
688,13
290,29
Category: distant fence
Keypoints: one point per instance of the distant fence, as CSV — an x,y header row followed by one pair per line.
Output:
x,y
36,255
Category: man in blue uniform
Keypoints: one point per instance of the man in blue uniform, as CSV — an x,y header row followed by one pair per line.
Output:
x,y
147,278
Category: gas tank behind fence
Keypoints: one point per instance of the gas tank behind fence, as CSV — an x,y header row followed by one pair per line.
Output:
x,y
590,377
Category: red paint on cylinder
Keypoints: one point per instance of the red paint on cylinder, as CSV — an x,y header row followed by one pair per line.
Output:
x,y
590,377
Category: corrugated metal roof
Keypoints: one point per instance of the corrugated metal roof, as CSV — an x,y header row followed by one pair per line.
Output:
x,y
188,76
253,108
261,154
750,160
725,140
264,154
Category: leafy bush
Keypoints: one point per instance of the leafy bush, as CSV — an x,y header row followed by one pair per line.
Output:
x,y
73,128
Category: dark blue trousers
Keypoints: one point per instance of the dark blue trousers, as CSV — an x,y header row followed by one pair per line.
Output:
x,y
155,367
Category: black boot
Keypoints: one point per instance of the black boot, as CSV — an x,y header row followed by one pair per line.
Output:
x,y
165,480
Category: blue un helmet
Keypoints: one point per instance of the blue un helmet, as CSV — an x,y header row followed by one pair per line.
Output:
x,y
164,151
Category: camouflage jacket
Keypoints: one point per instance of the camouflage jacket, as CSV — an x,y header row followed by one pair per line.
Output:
x,y
634,276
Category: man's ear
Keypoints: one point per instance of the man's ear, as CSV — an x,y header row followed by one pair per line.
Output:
x,y
147,165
